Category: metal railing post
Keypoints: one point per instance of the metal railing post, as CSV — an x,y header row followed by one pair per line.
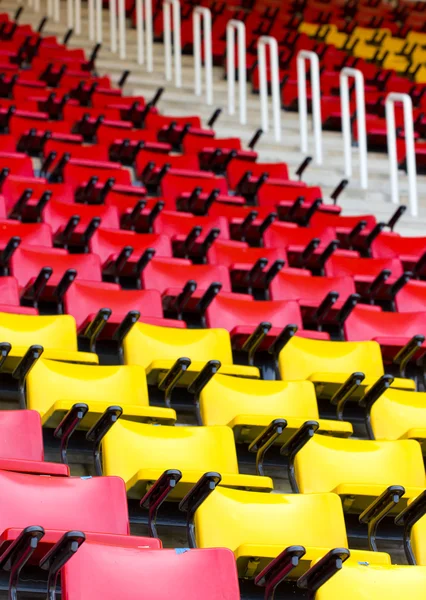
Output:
x,y
113,25
91,18
168,5
238,28
144,18
77,17
302,57
122,28
358,76
70,15
272,44
99,8
198,12
409,147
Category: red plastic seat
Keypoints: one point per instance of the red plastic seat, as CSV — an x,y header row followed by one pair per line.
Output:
x,y
151,167
105,571
77,151
412,297
17,163
178,187
21,444
97,504
44,275
185,288
410,250
238,168
30,234
14,188
58,215
78,172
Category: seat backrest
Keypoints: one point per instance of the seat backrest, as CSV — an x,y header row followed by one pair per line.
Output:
x,y
233,310
21,435
31,234
238,168
232,518
108,572
176,183
52,332
326,462
229,252
225,398
156,121
162,273
84,299
322,218
108,242
282,235
57,214
412,297
363,324
9,291
356,581
301,357
26,263
78,171
177,223
129,447
292,285
197,143
392,245
353,265
146,343
97,504
82,383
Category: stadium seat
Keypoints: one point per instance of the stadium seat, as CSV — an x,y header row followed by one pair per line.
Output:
x,y
191,450
106,570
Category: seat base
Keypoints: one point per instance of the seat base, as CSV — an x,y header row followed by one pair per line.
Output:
x,y
326,385
357,497
158,368
34,466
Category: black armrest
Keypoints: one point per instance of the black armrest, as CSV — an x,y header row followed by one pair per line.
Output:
x,y
157,494
396,216
308,251
99,431
179,303
129,221
324,308
323,570
199,383
345,391
172,377
294,445
381,506
339,189
304,221
194,498
68,425
399,284
87,339
378,283
5,349
58,556
326,253
256,271
7,254
208,297
245,225
370,397
281,340
265,440
253,342
302,167
191,238
278,569
406,353
408,518
356,230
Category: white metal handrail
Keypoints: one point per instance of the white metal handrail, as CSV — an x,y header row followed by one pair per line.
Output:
x,y
122,29
407,104
302,57
99,8
91,18
238,28
168,6
204,13
272,44
113,26
144,33
358,77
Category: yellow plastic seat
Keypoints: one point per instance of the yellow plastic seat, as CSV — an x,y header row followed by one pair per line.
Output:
x,y
400,415
329,364
140,454
57,334
157,349
359,470
310,29
248,406
418,541
374,582
257,527
52,388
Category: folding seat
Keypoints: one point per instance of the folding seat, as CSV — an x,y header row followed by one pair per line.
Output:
x,y
74,225
400,335
256,527
306,247
17,163
186,190
23,234
107,571
412,297
340,371
57,334
257,328
21,447
325,302
77,151
187,290
32,130
191,450
361,580
91,396
9,294
124,143
215,154
377,280
252,407
26,207
238,169
44,275
105,313
176,357
248,266
191,236
410,250
174,130
151,167
124,254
